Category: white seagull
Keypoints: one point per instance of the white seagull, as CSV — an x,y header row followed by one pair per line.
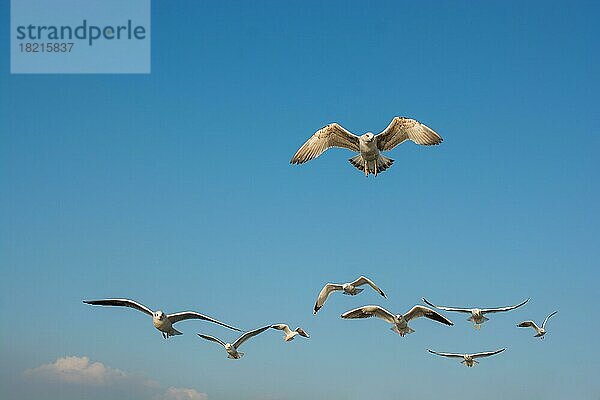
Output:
x,y
232,348
163,322
369,160
477,314
540,332
350,288
399,321
288,333
468,359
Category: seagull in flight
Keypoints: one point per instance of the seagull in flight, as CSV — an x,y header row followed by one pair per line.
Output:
x,y
163,322
399,321
288,333
350,288
468,359
369,146
477,314
540,332
232,348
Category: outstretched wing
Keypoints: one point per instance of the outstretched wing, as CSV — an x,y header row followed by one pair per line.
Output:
x,y
528,324
547,318
363,280
422,311
282,327
453,355
302,332
368,312
401,129
120,303
332,135
248,335
324,294
457,309
212,339
194,315
501,309
486,353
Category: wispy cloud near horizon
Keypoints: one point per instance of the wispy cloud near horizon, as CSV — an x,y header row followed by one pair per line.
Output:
x,y
97,378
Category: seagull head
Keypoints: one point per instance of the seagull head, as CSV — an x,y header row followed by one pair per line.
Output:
x,y
368,137
159,315
228,346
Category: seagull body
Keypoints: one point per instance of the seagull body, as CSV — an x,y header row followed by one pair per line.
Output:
x,y
468,359
477,314
288,333
369,146
232,348
350,288
161,321
540,331
399,321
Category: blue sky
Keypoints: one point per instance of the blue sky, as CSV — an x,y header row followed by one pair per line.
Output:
x,y
161,188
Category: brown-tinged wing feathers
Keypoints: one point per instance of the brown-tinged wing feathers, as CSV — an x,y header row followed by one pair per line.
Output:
x,y
401,129
332,135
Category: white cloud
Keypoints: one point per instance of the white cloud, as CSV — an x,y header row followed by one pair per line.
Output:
x,y
80,371
174,393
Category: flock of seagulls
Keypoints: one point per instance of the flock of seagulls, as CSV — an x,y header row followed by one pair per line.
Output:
x,y
232,348
369,160
399,322
164,323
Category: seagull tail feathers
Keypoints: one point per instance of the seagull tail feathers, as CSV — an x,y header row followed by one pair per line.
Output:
x,y
372,167
404,332
383,163
357,161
